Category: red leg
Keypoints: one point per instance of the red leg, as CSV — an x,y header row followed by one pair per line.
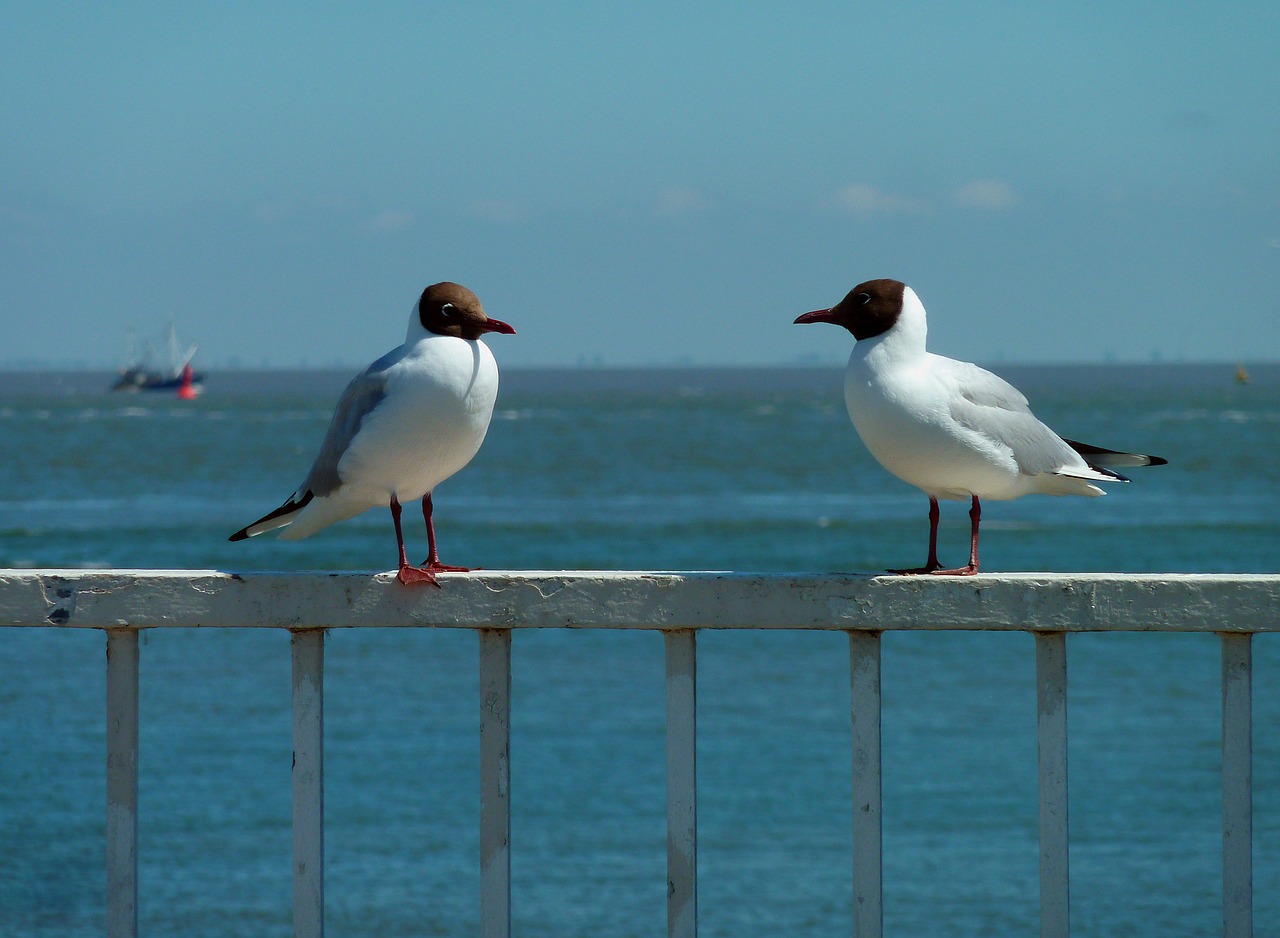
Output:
x,y
433,556
975,516
932,563
408,575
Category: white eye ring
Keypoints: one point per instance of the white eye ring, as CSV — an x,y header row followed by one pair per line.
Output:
x,y
447,310
866,298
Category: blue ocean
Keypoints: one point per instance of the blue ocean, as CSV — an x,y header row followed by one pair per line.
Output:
x,y
679,469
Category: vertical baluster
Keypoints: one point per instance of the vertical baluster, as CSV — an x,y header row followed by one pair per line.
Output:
x,y
122,783
495,783
1237,786
682,783
1051,725
308,782
864,688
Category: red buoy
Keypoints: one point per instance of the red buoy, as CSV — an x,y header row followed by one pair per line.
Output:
x,y
188,390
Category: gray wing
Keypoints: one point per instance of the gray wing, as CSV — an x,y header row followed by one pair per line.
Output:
x,y
362,395
992,407
981,387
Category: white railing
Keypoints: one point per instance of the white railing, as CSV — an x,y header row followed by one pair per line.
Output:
x,y
495,604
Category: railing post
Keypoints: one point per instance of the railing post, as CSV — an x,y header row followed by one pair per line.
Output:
x,y
308,782
1237,785
864,699
495,783
682,783
122,783
1051,737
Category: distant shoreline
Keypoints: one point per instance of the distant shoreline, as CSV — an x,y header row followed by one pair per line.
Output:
x,y
675,378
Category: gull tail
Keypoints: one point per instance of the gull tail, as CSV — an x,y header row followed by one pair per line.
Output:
x,y
276,519
1104,460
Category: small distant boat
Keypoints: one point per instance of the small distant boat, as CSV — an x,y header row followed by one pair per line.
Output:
x,y
138,374
1242,376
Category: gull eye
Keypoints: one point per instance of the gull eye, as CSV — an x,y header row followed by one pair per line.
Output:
x,y
864,298
447,310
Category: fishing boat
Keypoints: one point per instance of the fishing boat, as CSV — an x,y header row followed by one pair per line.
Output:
x,y
138,373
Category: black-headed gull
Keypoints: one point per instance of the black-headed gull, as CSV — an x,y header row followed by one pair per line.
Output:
x,y
951,428
405,424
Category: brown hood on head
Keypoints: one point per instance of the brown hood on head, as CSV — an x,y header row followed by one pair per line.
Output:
x,y
453,310
868,310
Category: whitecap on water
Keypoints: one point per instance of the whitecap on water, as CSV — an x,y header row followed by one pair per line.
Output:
x,y
1200,414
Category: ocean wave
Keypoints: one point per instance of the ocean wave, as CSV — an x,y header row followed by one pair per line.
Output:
x,y
1203,415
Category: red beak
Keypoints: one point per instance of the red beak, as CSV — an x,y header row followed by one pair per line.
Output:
x,y
496,325
818,315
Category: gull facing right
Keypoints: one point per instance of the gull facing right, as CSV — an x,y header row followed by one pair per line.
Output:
x,y
950,428
403,425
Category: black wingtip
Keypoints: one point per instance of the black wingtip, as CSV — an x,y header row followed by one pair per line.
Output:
x,y
286,508
1110,472
1098,457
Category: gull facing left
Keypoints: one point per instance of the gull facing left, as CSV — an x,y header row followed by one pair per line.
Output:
x,y
950,428
405,424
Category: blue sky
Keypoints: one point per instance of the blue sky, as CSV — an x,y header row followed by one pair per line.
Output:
x,y
657,183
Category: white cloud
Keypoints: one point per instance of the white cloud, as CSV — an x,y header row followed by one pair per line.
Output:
x,y
392,219
992,194
679,200
862,199
503,211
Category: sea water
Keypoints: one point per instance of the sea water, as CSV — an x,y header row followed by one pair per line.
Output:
x,y
749,470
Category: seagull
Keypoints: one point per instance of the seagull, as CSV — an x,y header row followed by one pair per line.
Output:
x,y
403,425
950,428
